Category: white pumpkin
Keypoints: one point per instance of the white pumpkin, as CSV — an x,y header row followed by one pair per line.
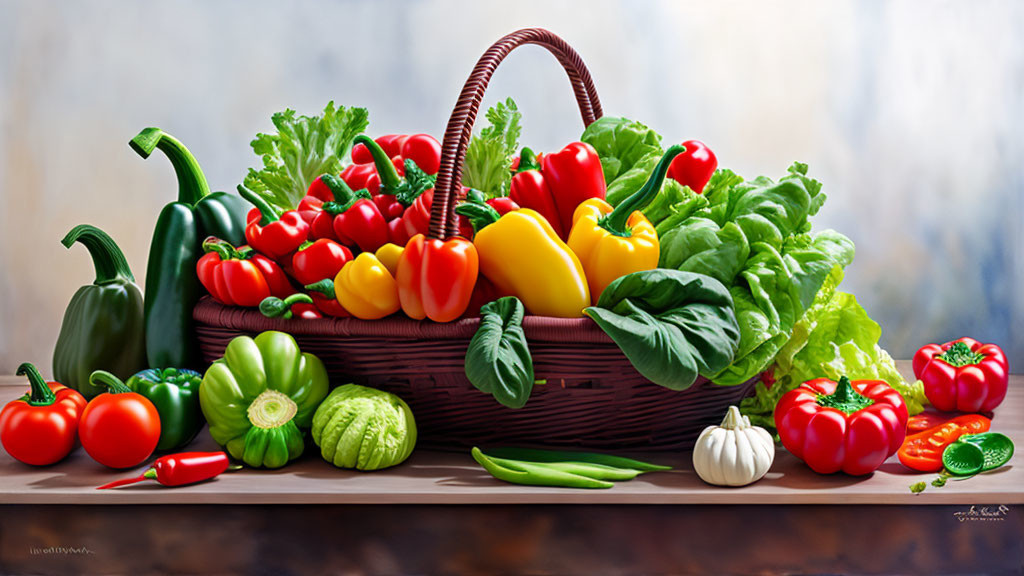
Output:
x,y
735,453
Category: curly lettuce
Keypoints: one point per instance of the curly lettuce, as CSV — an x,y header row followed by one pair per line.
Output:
x,y
303,148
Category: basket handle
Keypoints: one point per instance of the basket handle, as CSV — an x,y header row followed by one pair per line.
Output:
x,y
448,188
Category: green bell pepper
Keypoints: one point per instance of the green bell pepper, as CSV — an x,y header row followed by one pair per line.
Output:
x,y
175,393
172,288
103,323
260,398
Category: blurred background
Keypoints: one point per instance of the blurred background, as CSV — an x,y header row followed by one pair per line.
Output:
x,y
910,112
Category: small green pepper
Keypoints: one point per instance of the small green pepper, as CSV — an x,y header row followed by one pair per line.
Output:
x,y
175,393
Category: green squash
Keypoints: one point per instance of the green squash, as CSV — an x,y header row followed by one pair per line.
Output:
x,y
364,428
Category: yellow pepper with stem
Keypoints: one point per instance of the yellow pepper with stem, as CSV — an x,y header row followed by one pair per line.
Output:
x,y
521,254
611,243
366,288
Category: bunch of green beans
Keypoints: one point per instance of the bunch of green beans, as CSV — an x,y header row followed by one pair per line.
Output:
x,y
565,469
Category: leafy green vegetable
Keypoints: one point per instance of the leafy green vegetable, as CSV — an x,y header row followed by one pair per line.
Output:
x,y
835,337
303,148
498,360
489,155
671,325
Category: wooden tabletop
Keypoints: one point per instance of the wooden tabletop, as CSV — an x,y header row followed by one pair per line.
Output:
x,y
454,478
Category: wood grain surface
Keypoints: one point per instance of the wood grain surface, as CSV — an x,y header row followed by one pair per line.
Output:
x,y
454,478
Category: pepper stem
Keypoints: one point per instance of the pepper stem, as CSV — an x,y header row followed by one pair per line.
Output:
x,y
389,178
192,185
41,394
480,215
845,398
527,161
341,192
960,354
616,221
114,384
325,287
273,307
271,409
266,210
107,258
223,249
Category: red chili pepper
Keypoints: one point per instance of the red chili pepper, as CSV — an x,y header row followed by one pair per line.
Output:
x,y
41,427
240,276
271,234
850,426
502,204
923,451
324,298
555,184
353,216
963,375
436,277
694,167
411,191
314,261
180,469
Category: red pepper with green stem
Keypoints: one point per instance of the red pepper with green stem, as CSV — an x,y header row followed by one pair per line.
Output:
x,y
963,375
555,184
694,167
423,149
354,217
314,261
240,276
411,193
180,469
846,426
269,233
41,427
502,204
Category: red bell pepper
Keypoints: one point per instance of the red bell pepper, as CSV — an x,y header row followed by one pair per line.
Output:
x,y
502,204
354,217
555,184
423,149
694,167
412,193
923,451
314,261
849,426
41,427
963,375
269,233
240,276
436,277
180,469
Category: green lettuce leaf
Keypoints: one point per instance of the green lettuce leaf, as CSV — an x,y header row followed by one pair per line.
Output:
x,y
498,359
629,150
835,338
489,155
303,148
671,325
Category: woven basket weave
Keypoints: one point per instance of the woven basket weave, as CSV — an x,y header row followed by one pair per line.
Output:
x,y
593,397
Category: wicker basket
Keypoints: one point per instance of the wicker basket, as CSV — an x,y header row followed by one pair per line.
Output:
x,y
593,397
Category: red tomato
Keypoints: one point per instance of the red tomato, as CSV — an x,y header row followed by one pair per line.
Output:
x,y
119,429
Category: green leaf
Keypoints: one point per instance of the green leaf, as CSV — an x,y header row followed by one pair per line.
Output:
x,y
628,150
498,360
303,148
489,155
700,245
671,325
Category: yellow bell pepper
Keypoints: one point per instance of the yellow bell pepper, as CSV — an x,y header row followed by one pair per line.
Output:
x,y
611,243
521,254
388,254
366,288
